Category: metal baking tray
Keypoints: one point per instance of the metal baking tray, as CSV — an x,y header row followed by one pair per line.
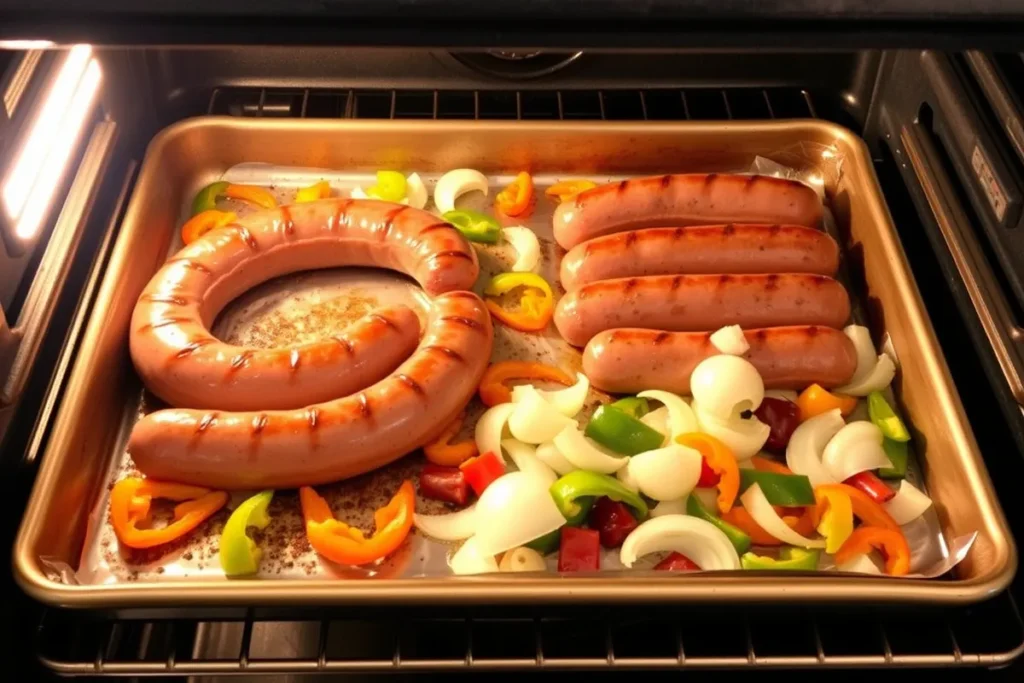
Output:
x,y
65,522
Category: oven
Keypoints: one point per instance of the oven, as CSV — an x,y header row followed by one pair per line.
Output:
x,y
939,101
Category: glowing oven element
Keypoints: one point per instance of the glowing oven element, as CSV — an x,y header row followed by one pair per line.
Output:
x,y
41,161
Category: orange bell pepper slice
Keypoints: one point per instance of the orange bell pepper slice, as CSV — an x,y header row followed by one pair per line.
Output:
x,y
493,389
536,302
864,509
893,545
565,190
768,465
441,451
130,505
720,459
204,222
742,520
516,200
341,543
834,509
320,190
815,400
251,193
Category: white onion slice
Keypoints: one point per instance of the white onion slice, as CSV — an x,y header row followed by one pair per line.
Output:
x,y
625,475
490,428
525,458
514,510
358,193
658,420
730,340
669,507
808,441
855,448
860,564
454,526
568,401
865,349
469,560
761,511
534,420
549,454
681,419
877,379
415,191
586,454
454,184
666,473
702,542
527,247
908,504
784,394
744,436
522,560
725,386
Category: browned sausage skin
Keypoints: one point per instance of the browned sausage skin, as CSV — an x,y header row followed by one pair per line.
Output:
x,y
632,360
684,199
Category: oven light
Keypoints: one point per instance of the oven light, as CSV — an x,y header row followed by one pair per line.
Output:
x,y
36,172
27,44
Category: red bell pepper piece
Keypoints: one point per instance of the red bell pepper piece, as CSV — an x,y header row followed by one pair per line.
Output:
x,y
782,417
708,477
874,487
579,550
677,562
612,520
482,470
444,483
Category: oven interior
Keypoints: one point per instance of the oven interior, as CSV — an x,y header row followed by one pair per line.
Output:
x,y
922,113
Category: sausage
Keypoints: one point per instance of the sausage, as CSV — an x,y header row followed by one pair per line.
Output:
x,y
334,440
684,199
691,303
633,360
701,249
182,363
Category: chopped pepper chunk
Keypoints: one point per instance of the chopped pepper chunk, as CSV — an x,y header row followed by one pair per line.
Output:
x,y
475,226
130,502
815,400
677,562
204,222
613,521
239,554
898,454
788,490
836,512
739,539
886,419
441,451
790,559
720,459
579,550
493,389
536,301
390,187
516,200
874,487
893,545
742,520
578,484
482,470
565,190
444,483
311,193
621,432
634,406
864,508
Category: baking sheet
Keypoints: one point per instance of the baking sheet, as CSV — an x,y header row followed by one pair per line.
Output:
x,y
302,307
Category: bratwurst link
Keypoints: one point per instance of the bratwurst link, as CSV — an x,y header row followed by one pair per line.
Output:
x,y
685,199
691,303
182,363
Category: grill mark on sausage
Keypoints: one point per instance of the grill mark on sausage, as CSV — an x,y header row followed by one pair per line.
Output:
x,y
241,360
436,226
678,233
771,282
164,322
157,299
189,264
710,179
461,320
677,282
382,319
294,359
622,186
206,422
365,409
454,253
812,331
340,216
630,238
629,285
774,230
728,230
724,280
247,237
761,336
661,337
259,423
289,224
451,353
666,180
751,181
408,381
389,220
192,347
345,343
820,280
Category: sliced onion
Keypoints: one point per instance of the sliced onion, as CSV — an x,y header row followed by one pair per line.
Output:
x,y
549,454
855,448
783,394
877,379
586,454
908,504
527,247
568,401
730,340
708,497
726,386
525,458
625,475
415,191
865,349
454,526
522,560
744,436
681,419
515,509
469,560
490,428
700,541
861,564
806,445
666,473
358,193
761,511
658,420
454,184
534,420
669,507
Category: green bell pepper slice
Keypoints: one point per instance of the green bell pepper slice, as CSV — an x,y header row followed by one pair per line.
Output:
x,y
617,430
739,539
239,554
788,490
790,559
634,406
206,198
476,226
886,419
898,453
579,484
391,187
548,543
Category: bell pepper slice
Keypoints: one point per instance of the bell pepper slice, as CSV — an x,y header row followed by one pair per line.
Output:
x,y
206,198
613,521
864,509
536,301
516,200
621,432
742,520
739,539
634,406
441,451
579,550
564,190
582,484
390,187
768,465
475,226
677,562
815,400
204,222
788,490
898,454
131,499
886,419
870,484
790,559
444,483
493,389
892,544
548,543
721,460
252,194
311,193
482,470
836,513
341,543
239,554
